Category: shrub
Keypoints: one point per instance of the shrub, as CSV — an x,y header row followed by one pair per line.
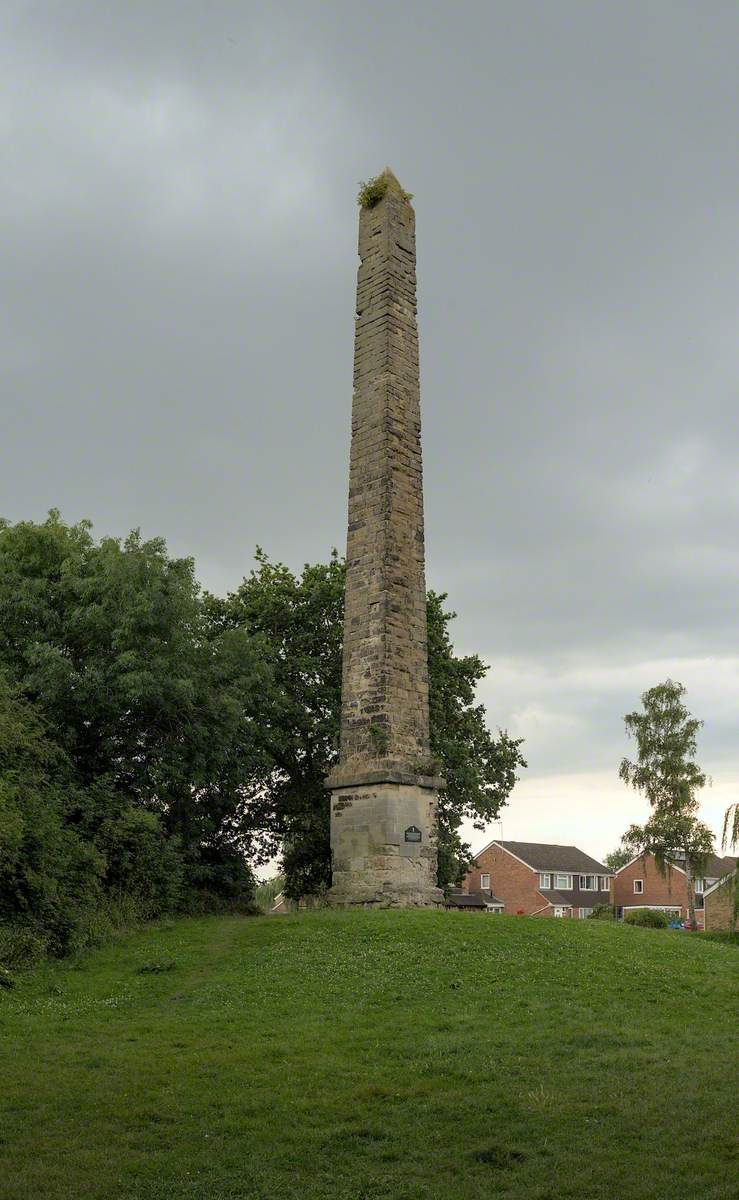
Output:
x,y
649,918
21,946
602,912
141,861
219,881
717,935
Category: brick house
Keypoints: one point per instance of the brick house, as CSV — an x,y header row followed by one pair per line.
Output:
x,y
718,905
641,884
539,879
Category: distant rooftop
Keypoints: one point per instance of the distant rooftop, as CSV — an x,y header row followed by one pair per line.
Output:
x,y
543,856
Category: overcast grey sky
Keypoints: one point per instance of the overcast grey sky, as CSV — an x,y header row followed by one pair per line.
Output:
x,y
178,226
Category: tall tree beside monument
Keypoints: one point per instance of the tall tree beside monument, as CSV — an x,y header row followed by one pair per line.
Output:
x,y
384,788
291,722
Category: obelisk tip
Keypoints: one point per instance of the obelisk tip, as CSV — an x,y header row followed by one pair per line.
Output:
x,y
375,190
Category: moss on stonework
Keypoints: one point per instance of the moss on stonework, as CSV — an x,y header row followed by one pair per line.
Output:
x,y
427,766
372,191
379,738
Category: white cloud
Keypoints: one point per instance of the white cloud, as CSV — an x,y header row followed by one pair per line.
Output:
x,y
590,810
571,717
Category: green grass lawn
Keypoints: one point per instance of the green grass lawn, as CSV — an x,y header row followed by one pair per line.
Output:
x,y
369,1055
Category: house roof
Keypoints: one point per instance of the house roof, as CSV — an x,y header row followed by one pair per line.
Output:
x,y
724,881
542,856
459,899
715,866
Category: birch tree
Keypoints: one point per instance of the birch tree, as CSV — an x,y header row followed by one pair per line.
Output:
x,y
666,773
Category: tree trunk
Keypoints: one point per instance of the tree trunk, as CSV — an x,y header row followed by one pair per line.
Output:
x,y
691,893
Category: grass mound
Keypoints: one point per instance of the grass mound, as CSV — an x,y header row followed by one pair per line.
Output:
x,y
373,1056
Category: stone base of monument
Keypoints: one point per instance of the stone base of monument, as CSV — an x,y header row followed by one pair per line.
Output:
x,y
382,838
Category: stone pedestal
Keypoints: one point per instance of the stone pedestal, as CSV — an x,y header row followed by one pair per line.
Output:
x,y
382,838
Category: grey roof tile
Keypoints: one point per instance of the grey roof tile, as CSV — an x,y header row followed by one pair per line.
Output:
x,y
544,856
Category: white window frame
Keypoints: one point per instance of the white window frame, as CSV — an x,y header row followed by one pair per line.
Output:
x,y
639,890
603,883
699,886
560,910
545,880
585,913
675,909
567,885
584,886
485,887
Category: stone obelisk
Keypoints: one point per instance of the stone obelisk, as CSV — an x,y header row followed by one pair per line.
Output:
x,y
384,789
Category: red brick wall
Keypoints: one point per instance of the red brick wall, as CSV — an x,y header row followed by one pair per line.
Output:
x,y
658,889
719,909
510,880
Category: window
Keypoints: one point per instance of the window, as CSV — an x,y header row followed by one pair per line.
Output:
x,y
587,883
585,912
545,879
485,883
560,911
603,880
638,887
563,881
699,886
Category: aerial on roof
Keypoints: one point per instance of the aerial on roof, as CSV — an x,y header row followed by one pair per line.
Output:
x,y
544,857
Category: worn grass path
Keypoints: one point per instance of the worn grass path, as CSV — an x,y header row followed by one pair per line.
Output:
x,y
375,1056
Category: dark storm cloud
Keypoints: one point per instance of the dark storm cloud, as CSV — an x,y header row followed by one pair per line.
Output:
x,y
178,266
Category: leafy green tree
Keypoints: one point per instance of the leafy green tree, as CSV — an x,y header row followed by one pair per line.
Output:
x,y
294,721
155,742
108,641
292,718
479,768
617,859
48,870
666,773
